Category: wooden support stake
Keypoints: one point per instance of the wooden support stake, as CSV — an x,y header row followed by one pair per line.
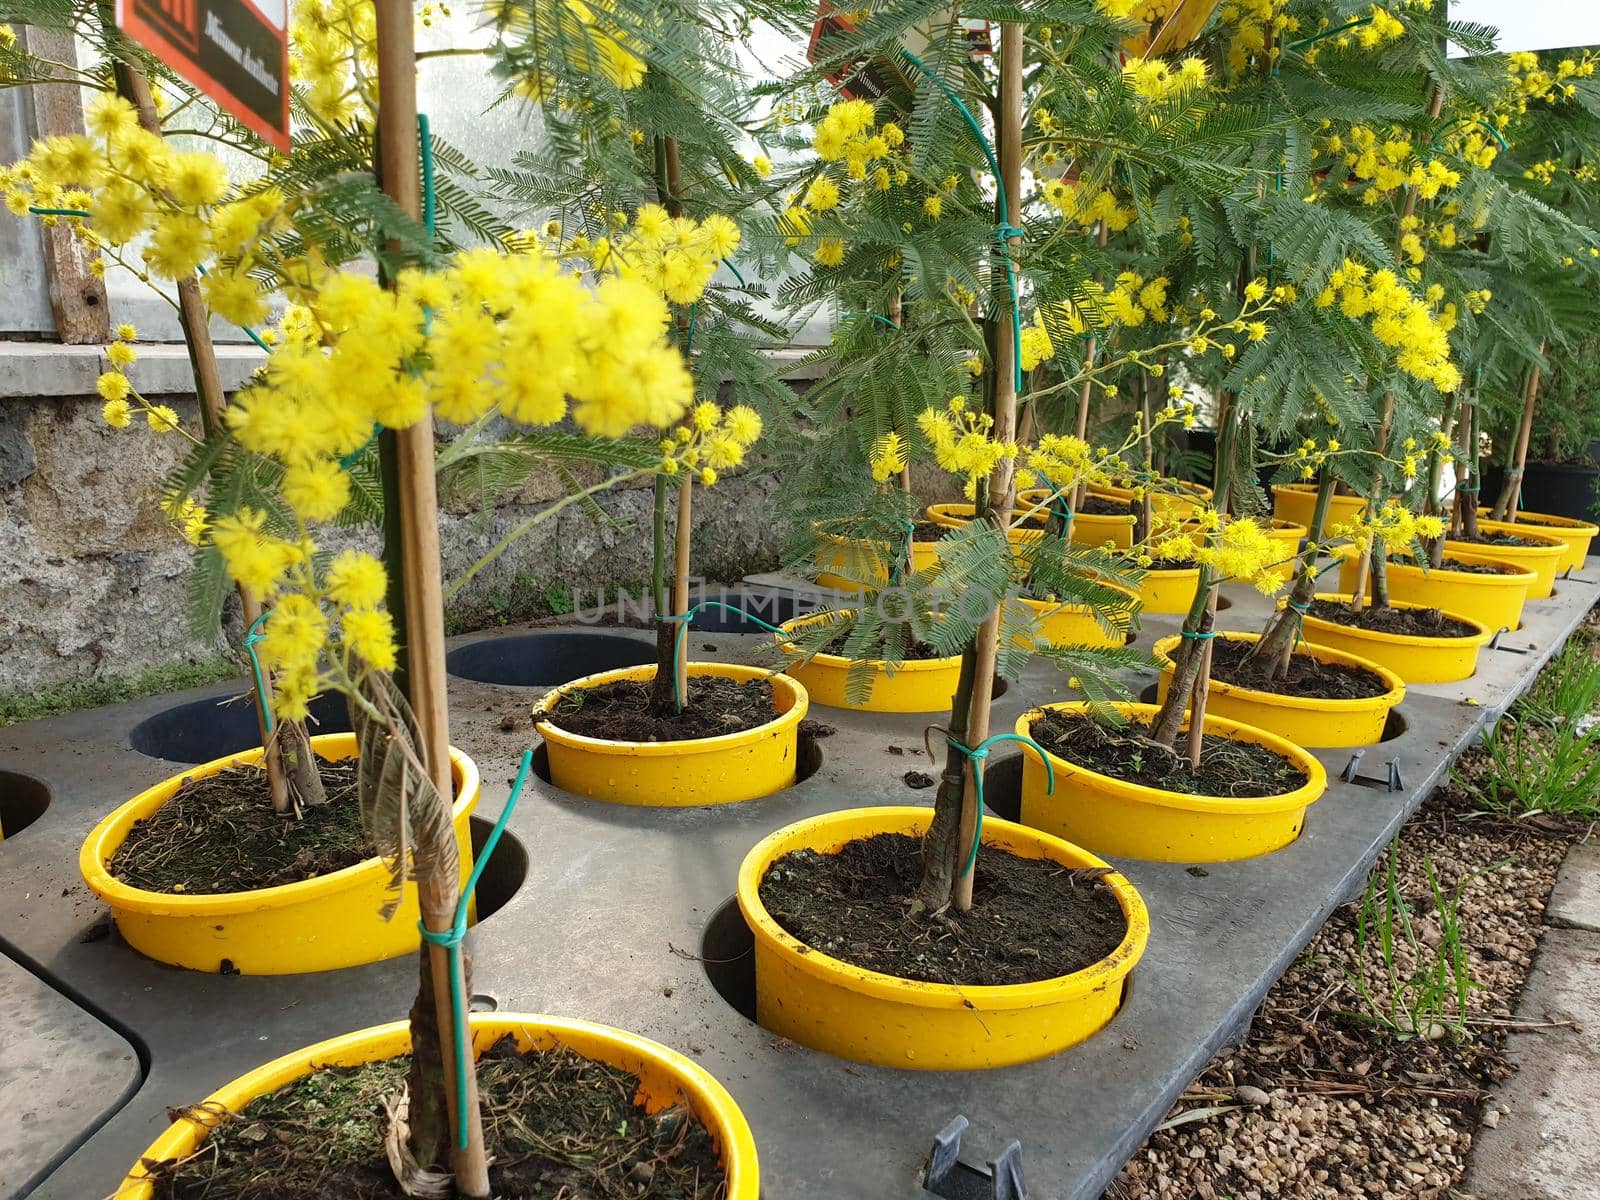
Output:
x,y
77,296
399,171
1003,482
680,578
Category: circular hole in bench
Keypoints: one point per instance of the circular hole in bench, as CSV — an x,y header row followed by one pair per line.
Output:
x,y
727,953
547,659
23,800
507,870
201,730
1394,725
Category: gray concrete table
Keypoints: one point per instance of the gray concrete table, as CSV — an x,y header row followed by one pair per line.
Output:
x,y
620,906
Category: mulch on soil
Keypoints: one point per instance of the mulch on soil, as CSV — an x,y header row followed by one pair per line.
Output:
x,y
1461,567
1409,622
1031,919
555,1124
1228,768
1306,675
915,651
1497,538
621,711
1104,506
1317,1104
218,834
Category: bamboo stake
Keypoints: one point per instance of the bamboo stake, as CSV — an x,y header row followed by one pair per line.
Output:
x,y
680,578
196,324
419,532
1003,481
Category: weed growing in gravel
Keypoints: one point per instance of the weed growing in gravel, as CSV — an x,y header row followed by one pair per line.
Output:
x,y
1423,988
1530,769
1567,690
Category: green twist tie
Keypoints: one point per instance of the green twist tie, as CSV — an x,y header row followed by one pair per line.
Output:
x,y
451,940
683,620
1196,635
977,754
252,639
1005,230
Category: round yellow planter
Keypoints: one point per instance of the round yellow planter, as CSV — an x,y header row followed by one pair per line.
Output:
x,y
1303,720
866,1016
1288,535
1168,497
1576,534
666,1079
1071,624
1544,559
1168,591
1414,659
1112,816
678,774
1089,529
317,924
848,564
916,686
1494,601
1297,503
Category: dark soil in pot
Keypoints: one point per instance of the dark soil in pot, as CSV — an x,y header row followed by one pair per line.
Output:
x,y
927,531
555,1124
1497,538
1031,919
1228,768
1407,622
1461,567
218,834
1307,676
915,651
621,711
1104,506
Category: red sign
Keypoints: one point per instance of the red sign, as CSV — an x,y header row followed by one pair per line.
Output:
x,y
234,51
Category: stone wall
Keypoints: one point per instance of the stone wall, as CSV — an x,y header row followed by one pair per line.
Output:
x,y
94,585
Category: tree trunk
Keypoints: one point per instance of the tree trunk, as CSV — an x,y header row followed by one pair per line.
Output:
x,y
1469,511
301,773
943,852
956,806
1275,648
666,631
1505,507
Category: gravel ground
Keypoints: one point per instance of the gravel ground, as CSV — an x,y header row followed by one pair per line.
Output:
x,y
1317,1102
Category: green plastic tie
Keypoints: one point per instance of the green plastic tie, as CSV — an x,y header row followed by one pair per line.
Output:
x,y
451,940
683,620
1195,635
252,638
978,754
1005,230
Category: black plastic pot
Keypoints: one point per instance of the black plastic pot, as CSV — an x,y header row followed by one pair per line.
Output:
x,y
1560,489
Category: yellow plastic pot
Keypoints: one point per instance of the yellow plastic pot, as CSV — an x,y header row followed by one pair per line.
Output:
x,y
316,924
1415,659
1168,497
666,1079
849,563
1544,560
916,686
1089,529
1303,720
1494,601
869,1017
1576,534
1112,816
1297,503
1164,591
677,774
1061,624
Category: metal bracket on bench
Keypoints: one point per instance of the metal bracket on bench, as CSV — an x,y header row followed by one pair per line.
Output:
x,y
1494,644
1389,783
948,1177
